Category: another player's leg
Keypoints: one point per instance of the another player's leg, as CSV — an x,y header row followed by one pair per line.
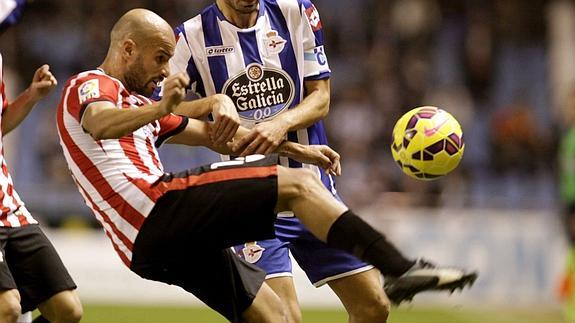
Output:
x,y
300,191
285,290
266,307
9,305
357,284
362,296
272,256
42,278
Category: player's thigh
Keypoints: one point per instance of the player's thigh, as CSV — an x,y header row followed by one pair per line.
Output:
x,y
217,206
219,278
362,294
36,267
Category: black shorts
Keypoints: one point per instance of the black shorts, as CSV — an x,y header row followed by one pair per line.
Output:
x,y
31,265
186,238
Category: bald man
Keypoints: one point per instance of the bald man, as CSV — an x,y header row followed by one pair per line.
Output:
x,y
177,227
168,227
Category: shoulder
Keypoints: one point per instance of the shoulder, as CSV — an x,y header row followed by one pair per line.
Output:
x,y
194,24
292,5
90,85
190,26
91,77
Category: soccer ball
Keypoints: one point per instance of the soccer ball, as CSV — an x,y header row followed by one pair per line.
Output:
x,y
427,143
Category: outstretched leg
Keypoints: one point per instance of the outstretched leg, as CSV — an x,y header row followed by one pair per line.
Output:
x,y
300,191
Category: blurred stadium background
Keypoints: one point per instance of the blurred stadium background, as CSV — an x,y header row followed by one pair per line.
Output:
x,y
504,68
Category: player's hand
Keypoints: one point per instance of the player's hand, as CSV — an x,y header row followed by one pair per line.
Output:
x,y
263,139
226,119
322,156
43,82
174,91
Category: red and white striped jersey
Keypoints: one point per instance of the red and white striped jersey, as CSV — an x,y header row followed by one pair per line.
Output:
x,y
13,213
116,177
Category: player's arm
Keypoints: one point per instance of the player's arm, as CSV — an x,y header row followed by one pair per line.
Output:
x,y
266,136
226,118
43,82
197,133
103,120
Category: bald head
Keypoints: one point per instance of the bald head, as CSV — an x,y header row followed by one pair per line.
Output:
x,y
141,26
141,44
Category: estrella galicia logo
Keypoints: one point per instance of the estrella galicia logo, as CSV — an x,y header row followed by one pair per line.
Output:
x,y
259,92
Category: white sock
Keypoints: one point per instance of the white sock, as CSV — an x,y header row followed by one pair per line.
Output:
x,y
25,318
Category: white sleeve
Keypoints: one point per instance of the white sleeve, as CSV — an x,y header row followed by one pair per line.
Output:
x,y
315,58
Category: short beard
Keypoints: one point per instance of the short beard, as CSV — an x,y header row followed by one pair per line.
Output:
x,y
133,76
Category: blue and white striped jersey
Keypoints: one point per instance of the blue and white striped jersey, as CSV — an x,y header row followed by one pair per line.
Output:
x,y
262,68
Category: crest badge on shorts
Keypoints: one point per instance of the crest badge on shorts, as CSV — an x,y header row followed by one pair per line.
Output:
x,y
252,252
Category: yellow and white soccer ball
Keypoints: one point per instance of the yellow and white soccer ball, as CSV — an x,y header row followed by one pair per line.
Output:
x,y
427,143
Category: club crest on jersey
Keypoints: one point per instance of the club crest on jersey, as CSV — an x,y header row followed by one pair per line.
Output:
x,y
259,92
273,43
219,50
252,252
89,90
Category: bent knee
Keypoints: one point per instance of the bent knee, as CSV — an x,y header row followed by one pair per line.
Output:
x,y
72,314
294,182
376,311
10,308
63,307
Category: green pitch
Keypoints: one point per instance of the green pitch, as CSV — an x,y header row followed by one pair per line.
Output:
x,y
150,314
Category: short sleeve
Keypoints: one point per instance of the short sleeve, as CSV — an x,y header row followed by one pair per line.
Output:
x,y
170,125
90,89
316,66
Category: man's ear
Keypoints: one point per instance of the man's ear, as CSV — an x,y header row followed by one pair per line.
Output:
x,y
128,49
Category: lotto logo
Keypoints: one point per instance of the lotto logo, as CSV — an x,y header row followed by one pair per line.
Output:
x,y
313,17
219,50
